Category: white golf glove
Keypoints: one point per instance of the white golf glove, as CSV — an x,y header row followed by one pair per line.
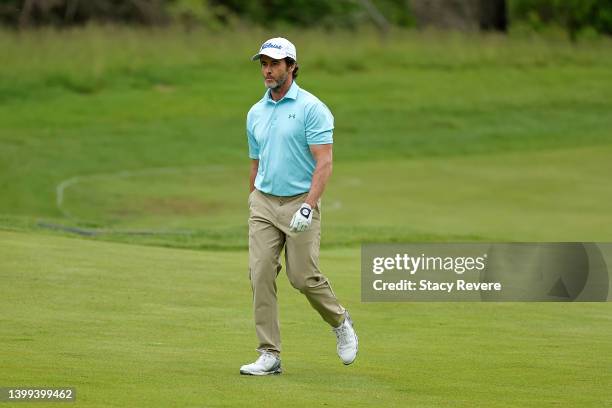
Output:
x,y
301,219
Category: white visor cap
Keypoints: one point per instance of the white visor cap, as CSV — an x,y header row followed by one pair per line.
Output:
x,y
277,48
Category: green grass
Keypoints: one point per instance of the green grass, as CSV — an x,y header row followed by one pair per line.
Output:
x,y
439,137
414,113
135,326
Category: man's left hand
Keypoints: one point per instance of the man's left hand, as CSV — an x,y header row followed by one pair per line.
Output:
x,y
301,219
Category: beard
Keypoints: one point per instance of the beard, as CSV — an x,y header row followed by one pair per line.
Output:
x,y
277,83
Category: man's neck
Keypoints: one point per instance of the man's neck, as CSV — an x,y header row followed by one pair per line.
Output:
x,y
279,94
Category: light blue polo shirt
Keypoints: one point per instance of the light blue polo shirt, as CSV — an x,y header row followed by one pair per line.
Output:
x,y
279,135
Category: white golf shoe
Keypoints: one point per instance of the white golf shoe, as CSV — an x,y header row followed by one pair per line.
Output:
x,y
347,342
266,364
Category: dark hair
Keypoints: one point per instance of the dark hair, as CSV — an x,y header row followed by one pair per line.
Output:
x,y
291,61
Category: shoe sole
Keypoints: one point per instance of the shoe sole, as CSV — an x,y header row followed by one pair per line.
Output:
x,y
259,374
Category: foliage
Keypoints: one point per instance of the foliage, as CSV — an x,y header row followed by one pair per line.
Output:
x,y
312,12
573,15
300,12
210,13
70,12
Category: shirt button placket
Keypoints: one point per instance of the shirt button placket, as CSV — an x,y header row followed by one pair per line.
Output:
x,y
274,115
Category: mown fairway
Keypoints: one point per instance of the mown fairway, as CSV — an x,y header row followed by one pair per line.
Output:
x,y
138,137
134,326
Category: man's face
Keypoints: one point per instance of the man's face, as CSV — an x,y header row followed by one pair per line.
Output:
x,y
275,72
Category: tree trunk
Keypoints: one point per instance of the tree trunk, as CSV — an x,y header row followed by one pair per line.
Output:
x,y
377,17
493,15
26,11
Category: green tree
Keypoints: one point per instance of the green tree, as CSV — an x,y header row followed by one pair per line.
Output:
x,y
573,15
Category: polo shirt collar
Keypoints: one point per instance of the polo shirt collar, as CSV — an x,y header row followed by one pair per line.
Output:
x,y
292,93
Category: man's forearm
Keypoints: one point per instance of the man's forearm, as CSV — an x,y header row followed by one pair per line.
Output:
x,y
253,174
321,174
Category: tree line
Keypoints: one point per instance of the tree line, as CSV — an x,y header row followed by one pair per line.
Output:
x,y
572,15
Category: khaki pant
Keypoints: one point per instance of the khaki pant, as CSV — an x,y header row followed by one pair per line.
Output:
x,y
268,233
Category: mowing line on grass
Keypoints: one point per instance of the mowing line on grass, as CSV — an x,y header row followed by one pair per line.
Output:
x,y
64,185
60,189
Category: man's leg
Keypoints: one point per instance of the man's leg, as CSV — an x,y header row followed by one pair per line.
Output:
x,y
302,262
302,259
265,245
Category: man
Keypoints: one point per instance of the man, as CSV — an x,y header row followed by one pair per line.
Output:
x,y
290,140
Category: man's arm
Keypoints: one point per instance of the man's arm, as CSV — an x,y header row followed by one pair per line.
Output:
x,y
254,167
323,156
